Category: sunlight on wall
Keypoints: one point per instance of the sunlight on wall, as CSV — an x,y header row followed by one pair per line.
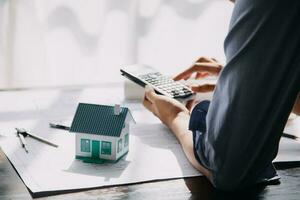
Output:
x,y
74,42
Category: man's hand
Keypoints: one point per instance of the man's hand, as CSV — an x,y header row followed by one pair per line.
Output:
x,y
165,108
201,68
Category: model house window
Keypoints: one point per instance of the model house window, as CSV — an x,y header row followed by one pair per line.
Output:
x,y
119,145
85,145
106,148
126,140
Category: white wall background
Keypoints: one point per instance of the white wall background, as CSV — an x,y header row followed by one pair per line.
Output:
x,y
74,42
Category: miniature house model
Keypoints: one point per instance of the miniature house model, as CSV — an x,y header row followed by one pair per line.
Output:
x,y
102,132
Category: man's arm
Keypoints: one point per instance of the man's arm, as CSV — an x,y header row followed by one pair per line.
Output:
x,y
175,116
296,108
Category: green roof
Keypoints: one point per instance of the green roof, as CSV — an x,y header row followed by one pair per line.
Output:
x,y
98,119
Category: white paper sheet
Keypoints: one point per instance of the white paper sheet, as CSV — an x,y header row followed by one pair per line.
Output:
x,y
154,153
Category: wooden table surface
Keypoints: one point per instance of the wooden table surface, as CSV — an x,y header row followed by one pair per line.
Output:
x,y
12,187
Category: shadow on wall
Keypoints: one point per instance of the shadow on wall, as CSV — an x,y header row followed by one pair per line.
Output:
x,y
2,2
63,16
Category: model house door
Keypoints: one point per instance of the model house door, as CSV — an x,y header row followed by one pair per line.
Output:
x,y
95,149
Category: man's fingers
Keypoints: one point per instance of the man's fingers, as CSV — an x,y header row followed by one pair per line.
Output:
x,y
183,75
200,75
207,59
212,68
203,88
204,59
150,94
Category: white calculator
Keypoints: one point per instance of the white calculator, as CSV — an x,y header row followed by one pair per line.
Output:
x,y
145,75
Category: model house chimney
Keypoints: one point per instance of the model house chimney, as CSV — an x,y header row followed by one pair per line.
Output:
x,y
117,109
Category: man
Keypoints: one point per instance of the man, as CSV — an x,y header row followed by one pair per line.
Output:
x,y
233,139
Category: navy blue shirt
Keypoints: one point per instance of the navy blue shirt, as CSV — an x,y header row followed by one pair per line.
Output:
x,y
236,135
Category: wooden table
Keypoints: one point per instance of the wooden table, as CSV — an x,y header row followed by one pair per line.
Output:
x,y
12,187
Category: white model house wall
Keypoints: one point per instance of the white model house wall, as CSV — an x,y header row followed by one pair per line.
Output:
x,y
100,138
125,149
